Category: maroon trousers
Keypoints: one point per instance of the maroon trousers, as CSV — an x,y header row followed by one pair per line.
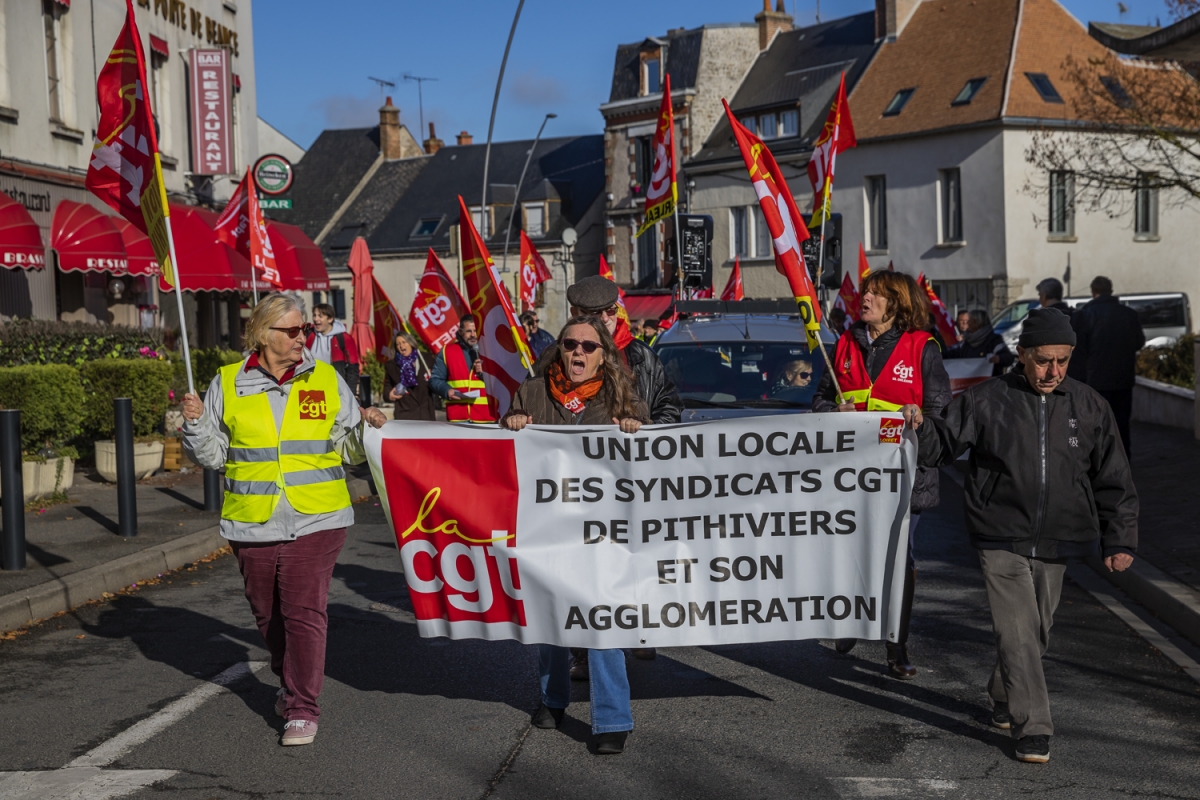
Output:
x,y
287,584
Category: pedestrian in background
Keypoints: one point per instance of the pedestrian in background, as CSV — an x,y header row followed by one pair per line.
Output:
x,y
1109,336
458,378
538,339
961,322
584,382
1047,479
331,343
981,341
406,383
281,424
887,360
1050,295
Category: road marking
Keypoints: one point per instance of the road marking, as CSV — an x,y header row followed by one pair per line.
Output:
x,y
78,783
893,787
119,745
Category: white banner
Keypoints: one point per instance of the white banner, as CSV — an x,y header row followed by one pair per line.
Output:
x,y
742,530
966,372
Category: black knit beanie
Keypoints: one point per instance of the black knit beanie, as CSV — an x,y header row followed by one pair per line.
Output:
x,y
1046,326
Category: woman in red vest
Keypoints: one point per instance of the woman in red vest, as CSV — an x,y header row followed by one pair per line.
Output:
x,y
887,360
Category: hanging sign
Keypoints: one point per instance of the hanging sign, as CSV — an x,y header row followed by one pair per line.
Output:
x,y
273,174
212,112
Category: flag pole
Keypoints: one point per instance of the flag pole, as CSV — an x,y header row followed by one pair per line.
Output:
x,y
187,352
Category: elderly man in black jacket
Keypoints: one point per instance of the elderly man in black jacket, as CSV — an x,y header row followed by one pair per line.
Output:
x,y
1047,480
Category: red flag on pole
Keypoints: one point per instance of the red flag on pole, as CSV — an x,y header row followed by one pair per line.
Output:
x,y
733,289
242,227
662,194
533,272
837,135
505,354
784,222
387,322
233,225
847,300
262,255
864,269
437,306
941,314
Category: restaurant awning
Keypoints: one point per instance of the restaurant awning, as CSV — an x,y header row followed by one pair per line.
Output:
x,y
300,263
138,250
160,46
647,306
20,239
206,264
86,240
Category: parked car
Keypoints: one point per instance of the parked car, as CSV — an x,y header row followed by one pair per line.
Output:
x,y
1165,316
737,359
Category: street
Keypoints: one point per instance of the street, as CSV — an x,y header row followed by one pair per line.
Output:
x,y
405,717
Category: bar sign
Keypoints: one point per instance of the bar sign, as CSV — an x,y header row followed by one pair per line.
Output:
x,y
211,112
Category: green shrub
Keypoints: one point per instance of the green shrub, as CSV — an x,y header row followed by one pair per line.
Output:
x,y
74,343
1175,364
374,368
51,400
146,381
206,363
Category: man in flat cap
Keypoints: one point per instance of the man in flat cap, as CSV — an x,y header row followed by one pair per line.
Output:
x,y
1047,480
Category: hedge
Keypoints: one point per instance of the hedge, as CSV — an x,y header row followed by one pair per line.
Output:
x,y
74,343
147,381
51,400
1175,364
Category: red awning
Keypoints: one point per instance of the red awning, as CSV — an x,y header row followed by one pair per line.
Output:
x,y
64,3
301,265
206,264
647,306
138,250
20,239
86,240
160,46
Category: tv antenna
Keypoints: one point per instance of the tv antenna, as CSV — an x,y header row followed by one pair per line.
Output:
x,y
382,85
420,99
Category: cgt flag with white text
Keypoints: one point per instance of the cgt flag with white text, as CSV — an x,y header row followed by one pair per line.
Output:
x,y
750,530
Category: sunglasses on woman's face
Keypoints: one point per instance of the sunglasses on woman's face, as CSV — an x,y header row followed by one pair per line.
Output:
x,y
296,330
570,345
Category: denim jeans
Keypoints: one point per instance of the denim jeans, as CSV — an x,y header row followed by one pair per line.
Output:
x,y
609,685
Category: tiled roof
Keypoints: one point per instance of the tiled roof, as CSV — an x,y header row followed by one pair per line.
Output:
x,y
326,176
682,63
373,204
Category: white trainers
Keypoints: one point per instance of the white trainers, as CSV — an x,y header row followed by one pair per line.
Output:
x,y
298,731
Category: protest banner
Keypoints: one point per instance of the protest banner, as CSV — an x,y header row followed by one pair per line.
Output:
x,y
966,372
744,530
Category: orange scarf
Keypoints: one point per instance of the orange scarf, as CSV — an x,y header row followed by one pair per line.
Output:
x,y
573,396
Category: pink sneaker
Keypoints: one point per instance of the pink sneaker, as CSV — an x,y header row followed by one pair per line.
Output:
x,y
281,702
298,731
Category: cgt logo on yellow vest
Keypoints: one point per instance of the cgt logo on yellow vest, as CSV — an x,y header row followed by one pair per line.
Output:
x,y
312,404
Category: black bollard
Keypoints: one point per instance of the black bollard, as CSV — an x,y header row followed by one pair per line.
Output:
x,y
364,391
126,478
12,486
214,495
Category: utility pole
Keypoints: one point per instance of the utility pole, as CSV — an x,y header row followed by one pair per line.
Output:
x,y
382,84
420,98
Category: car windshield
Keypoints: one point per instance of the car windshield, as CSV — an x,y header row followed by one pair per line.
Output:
x,y
1012,314
1159,312
759,374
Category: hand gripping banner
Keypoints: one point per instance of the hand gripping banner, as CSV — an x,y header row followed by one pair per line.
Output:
x,y
751,530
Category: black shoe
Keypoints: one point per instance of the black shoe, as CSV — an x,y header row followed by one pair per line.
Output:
x,y
579,666
898,664
1033,749
1001,718
645,653
547,718
844,646
611,744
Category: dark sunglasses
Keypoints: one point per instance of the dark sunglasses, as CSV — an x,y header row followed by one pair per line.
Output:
x,y
296,330
804,374
569,346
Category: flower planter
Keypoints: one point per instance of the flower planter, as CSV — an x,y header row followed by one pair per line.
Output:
x,y
44,479
147,458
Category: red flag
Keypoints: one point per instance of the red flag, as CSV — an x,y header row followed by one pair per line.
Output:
x,y
234,228
533,272
891,267
362,270
847,300
387,323
941,314
837,135
262,254
606,272
125,170
662,194
784,223
733,289
437,306
864,269
503,349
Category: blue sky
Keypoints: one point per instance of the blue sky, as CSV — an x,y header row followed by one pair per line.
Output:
x,y
313,58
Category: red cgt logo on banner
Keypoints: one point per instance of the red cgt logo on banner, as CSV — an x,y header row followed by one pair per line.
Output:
x,y
890,430
456,522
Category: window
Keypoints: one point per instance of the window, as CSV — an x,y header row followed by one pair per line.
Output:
x,y
535,220
1062,203
52,21
426,227
651,79
750,123
1145,212
951,206
762,234
768,124
739,232
789,123
644,165
898,102
1117,91
1044,87
481,221
647,258
160,99
968,92
877,238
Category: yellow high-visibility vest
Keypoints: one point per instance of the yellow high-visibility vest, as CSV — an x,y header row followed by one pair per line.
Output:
x,y
298,460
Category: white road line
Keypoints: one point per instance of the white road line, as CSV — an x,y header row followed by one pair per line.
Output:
x,y
893,787
114,748
82,783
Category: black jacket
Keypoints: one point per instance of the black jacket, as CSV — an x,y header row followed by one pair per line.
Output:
x,y
1108,336
1047,475
992,344
417,402
935,386
653,385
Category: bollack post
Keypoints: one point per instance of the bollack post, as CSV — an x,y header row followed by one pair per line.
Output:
x,y
126,478
13,488
214,495
364,391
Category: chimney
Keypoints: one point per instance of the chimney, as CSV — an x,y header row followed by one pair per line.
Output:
x,y
769,22
891,16
463,138
433,144
389,130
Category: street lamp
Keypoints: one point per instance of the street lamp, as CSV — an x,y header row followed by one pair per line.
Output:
x,y
517,192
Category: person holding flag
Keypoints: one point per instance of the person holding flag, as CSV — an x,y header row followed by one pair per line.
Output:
x,y
734,290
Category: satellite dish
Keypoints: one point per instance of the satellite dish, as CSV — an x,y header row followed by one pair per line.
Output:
x,y
570,237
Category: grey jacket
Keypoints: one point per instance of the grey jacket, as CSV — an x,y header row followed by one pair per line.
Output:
x,y
207,439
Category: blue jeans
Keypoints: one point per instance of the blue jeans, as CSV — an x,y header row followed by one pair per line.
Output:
x,y
609,685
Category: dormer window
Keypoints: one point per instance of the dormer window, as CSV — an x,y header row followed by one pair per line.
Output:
x,y
898,102
1044,87
969,90
652,73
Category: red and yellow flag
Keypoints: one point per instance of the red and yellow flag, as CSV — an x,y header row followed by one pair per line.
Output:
x,y
941,314
533,272
864,269
606,272
387,322
838,135
662,194
733,289
242,227
848,300
125,170
437,306
784,222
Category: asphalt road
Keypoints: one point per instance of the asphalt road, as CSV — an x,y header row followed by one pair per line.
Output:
x,y
409,718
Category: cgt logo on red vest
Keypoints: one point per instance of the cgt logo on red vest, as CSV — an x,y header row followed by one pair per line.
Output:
x,y
312,404
454,506
890,430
